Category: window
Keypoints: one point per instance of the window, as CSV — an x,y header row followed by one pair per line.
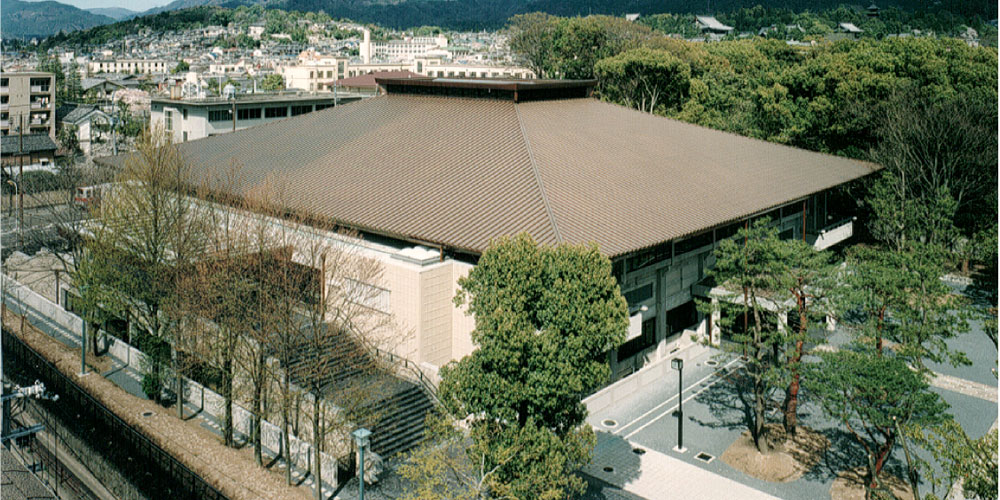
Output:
x,y
681,317
185,136
638,295
640,343
185,113
323,106
220,115
278,112
248,114
693,243
371,296
169,119
329,74
301,110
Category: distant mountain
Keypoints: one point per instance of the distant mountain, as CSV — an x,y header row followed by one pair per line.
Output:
x,y
40,19
187,4
116,13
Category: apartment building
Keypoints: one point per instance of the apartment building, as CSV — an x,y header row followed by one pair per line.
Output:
x,y
28,100
191,119
131,66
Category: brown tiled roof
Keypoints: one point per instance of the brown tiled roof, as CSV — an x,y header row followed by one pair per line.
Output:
x,y
459,172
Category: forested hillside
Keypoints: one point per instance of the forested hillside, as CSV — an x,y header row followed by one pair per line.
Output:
x,y
40,19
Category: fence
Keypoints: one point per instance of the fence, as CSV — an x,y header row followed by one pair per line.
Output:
x,y
21,298
132,453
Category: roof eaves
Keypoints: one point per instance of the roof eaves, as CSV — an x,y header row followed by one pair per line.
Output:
x,y
726,222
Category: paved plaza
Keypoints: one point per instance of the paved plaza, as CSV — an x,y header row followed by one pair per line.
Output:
x,y
637,434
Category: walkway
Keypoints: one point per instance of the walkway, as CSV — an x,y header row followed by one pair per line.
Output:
x,y
963,386
656,476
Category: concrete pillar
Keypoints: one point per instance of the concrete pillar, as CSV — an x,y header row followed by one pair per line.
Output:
x,y
716,334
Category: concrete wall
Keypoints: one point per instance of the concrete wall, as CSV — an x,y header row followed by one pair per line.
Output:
x,y
436,310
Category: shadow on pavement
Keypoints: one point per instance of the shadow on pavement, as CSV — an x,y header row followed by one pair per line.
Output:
x,y
846,453
615,463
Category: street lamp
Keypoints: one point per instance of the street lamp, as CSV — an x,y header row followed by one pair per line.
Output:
x,y
361,438
678,364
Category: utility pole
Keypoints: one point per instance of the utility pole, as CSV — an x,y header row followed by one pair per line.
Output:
x,y
20,182
234,112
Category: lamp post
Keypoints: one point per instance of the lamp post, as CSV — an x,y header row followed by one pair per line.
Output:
x,y
361,438
678,364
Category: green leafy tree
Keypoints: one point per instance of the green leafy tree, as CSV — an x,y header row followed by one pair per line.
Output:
x,y
181,67
545,319
73,86
531,37
272,82
68,140
872,397
898,296
748,266
808,278
973,462
940,158
645,79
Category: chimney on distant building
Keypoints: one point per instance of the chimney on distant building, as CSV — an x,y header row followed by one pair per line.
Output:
x,y
366,47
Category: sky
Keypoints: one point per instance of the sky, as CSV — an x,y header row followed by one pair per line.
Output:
x,y
137,5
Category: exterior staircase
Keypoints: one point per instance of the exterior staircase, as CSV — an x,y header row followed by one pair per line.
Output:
x,y
402,427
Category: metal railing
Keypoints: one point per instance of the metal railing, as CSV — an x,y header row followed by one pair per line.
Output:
x,y
416,373
39,88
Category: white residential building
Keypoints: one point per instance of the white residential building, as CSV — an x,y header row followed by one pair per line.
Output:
x,y
131,66
191,119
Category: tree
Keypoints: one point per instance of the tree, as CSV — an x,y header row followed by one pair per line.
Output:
x,y
68,140
274,81
73,85
545,318
645,79
181,67
531,37
750,265
146,234
448,465
973,462
897,295
870,395
939,158
808,278
344,327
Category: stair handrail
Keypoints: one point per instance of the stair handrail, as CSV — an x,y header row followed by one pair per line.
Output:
x,y
425,382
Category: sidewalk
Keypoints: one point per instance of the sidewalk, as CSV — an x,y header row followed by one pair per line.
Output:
x,y
656,476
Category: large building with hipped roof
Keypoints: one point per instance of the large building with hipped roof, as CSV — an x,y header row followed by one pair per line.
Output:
x,y
432,170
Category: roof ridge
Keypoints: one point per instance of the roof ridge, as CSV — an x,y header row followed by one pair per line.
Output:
x,y
538,176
